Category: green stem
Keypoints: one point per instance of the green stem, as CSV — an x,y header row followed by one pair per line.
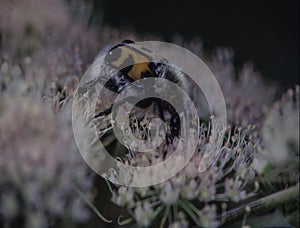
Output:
x,y
263,204
91,205
192,207
151,198
189,212
158,210
125,222
175,211
163,221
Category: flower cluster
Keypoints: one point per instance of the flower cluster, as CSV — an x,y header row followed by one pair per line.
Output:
x,y
26,30
247,158
39,162
247,95
279,145
231,155
189,194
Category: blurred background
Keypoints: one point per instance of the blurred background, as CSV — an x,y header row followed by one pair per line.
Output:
x,y
264,32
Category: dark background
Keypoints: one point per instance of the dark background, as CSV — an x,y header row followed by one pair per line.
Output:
x,y
264,32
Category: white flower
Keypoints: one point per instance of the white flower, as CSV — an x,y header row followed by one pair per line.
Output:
x,y
124,196
280,133
169,194
143,214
